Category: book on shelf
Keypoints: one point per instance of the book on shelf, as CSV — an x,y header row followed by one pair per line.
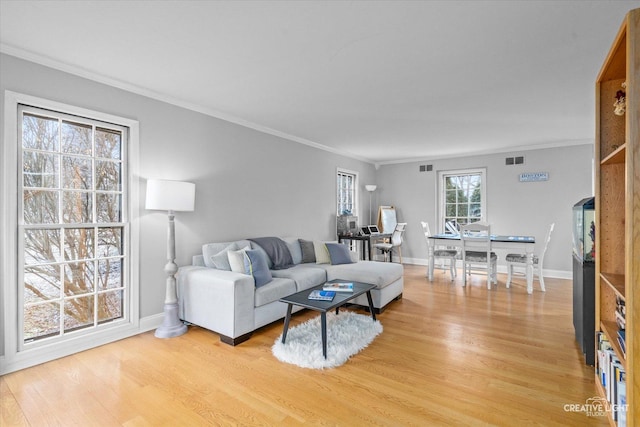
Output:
x,y
620,313
614,366
602,371
617,375
338,286
603,342
620,320
604,355
622,341
621,408
611,373
319,295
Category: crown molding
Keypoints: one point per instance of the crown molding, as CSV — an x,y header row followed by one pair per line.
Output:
x,y
139,90
541,146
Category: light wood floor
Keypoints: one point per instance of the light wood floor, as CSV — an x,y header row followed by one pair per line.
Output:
x,y
448,356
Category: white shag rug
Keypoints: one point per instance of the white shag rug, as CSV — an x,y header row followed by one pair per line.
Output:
x,y
347,334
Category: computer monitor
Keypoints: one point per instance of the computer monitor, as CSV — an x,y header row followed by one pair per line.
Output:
x,y
373,229
365,231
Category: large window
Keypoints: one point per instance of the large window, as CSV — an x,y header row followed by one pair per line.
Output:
x,y
346,200
71,223
70,236
462,197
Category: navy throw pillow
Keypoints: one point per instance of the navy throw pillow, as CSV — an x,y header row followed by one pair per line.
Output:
x,y
256,265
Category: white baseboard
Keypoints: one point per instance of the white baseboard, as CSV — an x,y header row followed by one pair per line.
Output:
x,y
556,274
151,322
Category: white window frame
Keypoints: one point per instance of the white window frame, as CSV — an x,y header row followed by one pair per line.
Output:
x,y
441,196
16,355
355,190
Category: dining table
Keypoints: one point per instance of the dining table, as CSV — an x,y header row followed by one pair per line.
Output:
x,y
513,243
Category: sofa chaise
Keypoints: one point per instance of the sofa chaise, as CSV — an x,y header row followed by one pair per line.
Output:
x,y
225,289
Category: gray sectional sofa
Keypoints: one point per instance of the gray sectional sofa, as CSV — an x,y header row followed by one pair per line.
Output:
x,y
213,296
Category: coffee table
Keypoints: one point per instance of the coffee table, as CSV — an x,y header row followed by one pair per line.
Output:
x,y
341,298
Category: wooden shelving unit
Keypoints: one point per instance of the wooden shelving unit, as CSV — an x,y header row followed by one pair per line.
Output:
x,y
617,159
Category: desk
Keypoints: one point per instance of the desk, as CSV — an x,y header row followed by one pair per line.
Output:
x,y
366,241
512,243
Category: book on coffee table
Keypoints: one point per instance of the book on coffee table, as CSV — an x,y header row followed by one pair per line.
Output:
x,y
338,287
319,295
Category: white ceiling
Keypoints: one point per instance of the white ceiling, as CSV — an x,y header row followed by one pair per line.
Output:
x,y
382,81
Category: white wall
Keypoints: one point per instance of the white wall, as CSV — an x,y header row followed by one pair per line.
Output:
x,y
513,207
248,183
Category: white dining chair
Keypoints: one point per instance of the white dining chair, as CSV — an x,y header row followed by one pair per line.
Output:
x,y
441,253
476,252
452,228
396,242
520,261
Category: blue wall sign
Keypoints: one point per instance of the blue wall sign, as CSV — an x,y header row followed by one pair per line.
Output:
x,y
534,176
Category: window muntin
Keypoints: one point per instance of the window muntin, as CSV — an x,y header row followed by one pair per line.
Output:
x,y
462,197
346,192
72,262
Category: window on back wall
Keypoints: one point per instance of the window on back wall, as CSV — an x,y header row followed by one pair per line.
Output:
x,y
72,224
462,198
346,192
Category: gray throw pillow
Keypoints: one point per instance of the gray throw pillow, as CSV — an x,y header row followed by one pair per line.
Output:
x,y
339,253
308,252
294,249
221,259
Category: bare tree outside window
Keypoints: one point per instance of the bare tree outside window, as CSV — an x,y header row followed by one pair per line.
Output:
x,y
462,196
72,224
346,193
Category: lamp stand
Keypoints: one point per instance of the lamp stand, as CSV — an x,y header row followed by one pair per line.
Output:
x,y
171,325
370,194
370,188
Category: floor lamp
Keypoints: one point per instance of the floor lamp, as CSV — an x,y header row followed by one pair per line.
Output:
x,y
170,196
370,188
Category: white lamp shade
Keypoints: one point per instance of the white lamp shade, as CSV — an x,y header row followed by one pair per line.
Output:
x,y
165,195
371,187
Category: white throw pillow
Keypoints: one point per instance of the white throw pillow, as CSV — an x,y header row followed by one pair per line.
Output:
x,y
322,253
236,259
